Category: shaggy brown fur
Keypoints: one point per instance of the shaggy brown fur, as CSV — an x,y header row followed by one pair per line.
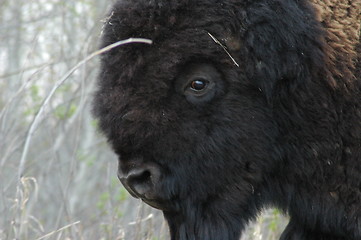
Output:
x,y
342,20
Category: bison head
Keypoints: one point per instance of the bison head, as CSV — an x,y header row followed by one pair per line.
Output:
x,y
201,119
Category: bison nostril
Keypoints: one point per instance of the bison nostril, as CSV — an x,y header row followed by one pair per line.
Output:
x,y
139,177
140,182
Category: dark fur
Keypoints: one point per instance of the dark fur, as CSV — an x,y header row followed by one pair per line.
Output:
x,y
285,130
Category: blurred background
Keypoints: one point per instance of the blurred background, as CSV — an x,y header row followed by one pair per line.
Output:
x,y
57,174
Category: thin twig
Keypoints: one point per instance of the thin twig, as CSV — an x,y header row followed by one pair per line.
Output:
x,y
59,230
224,48
150,216
34,124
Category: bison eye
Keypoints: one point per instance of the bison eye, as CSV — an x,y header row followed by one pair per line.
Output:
x,y
198,84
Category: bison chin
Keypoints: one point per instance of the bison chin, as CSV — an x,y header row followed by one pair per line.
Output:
x,y
195,206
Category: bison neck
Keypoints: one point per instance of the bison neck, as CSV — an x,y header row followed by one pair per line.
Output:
x,y
211,220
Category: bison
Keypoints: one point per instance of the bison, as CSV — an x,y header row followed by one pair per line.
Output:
x,y
236,106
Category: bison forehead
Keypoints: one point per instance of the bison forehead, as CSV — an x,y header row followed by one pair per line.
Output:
x,y
178,29
156,19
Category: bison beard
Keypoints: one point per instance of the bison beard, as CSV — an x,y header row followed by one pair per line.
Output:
x,y
237,105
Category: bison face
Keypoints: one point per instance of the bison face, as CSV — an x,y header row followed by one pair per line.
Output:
x,y
194,137
208,141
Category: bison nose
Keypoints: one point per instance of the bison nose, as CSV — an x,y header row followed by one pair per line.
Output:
x,y
141,180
